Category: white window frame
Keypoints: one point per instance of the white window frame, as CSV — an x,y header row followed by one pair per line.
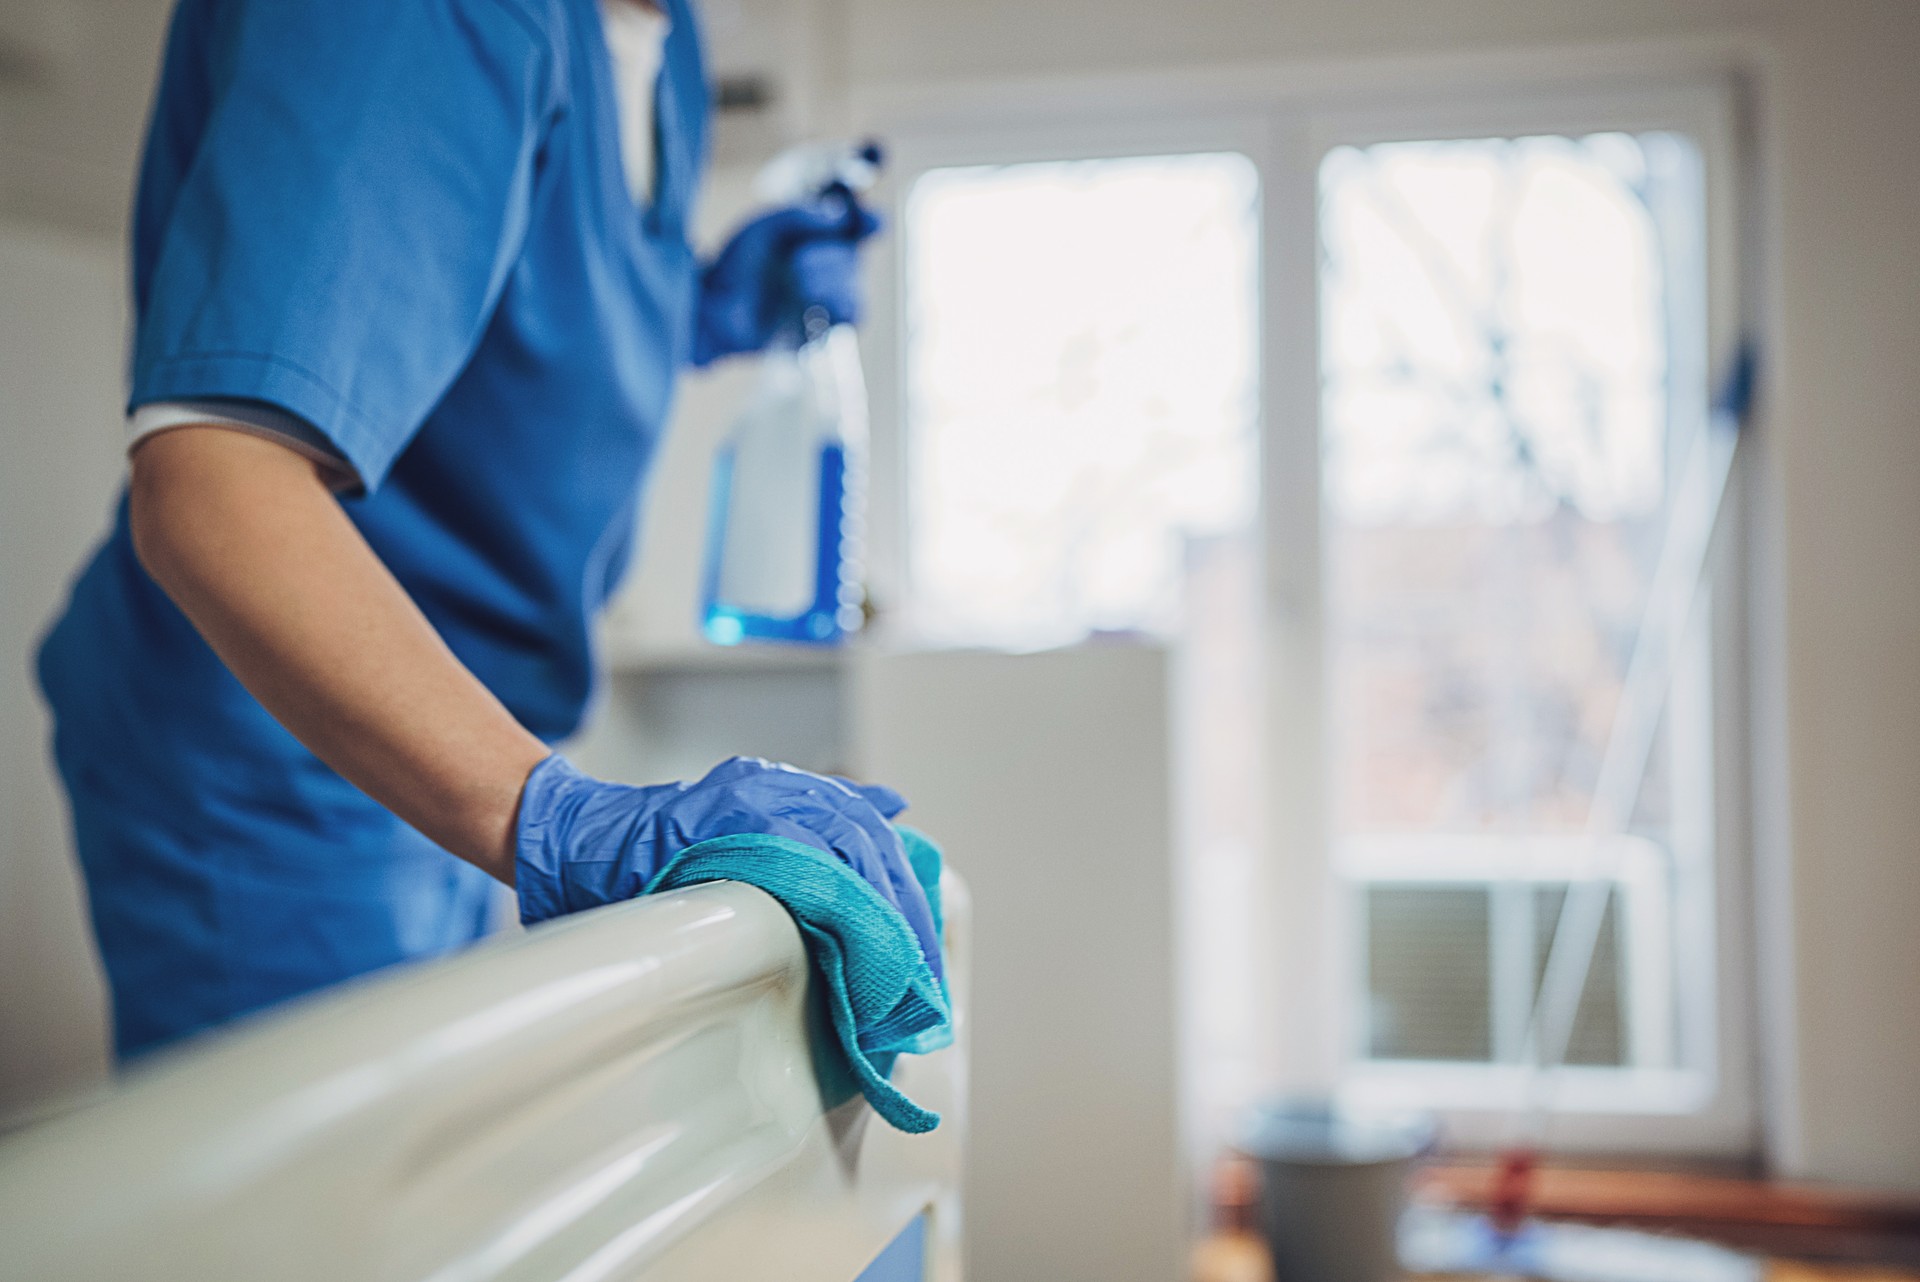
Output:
x,y
1708,1105
1285,120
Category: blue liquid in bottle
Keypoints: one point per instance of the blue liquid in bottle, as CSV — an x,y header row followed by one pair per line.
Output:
x,y
790,597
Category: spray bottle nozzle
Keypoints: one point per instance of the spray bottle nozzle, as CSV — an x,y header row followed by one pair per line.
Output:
x,y
813,169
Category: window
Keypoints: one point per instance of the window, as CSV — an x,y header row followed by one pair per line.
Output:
x,y
1081,374
1511,347
1462,342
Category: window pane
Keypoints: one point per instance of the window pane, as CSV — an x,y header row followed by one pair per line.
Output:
x,y
1599,1031
1429,968
1081,389
1509,337
1495,426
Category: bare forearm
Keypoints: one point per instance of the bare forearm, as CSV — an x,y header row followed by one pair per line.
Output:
x,y
244,536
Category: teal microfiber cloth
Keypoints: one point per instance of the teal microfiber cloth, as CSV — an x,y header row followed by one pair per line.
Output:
x,y
880,992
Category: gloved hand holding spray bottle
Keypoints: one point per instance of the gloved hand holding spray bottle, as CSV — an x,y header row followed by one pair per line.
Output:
x,y
786,527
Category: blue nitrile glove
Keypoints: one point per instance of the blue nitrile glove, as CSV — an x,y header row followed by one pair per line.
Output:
x,y
777,268
582,842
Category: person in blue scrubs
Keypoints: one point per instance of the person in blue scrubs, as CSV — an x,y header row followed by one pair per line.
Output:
x,y
406,336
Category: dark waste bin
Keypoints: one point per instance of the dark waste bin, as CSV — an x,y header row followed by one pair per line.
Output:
x,y
1333,1185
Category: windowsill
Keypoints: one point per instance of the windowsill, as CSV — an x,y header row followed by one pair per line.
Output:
x,y
699,659
1507,1089
623,657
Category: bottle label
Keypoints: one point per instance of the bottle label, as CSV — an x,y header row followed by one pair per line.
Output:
x,y
770,542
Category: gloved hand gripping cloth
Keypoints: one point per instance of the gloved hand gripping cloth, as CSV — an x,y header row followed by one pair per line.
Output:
x,y
864,893
880,991
582,842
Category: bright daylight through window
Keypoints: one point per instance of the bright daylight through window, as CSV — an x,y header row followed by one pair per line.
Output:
x,y
1511,352
1082,379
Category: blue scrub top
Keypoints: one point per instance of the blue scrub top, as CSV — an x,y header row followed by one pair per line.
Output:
x,y
407,225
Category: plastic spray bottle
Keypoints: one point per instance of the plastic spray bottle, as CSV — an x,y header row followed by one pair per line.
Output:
x,y
786,526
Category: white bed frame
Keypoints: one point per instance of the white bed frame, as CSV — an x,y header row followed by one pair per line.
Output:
x,y
638,1092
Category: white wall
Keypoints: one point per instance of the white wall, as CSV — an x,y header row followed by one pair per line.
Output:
x,y
927,41
1844,106
74,81
1048,780
60,462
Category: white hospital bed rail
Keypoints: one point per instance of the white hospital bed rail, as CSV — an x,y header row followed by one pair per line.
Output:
x,y
633,1093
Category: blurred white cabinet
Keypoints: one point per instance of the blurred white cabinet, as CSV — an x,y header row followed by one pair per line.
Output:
x,y
1049,778
672,714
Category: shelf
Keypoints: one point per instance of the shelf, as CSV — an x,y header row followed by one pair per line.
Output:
x,y
713,659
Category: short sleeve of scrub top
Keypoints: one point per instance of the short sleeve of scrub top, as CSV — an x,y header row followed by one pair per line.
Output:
x,y
255,418
346,222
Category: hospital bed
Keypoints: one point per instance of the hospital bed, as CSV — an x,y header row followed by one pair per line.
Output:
x,y
642,1091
